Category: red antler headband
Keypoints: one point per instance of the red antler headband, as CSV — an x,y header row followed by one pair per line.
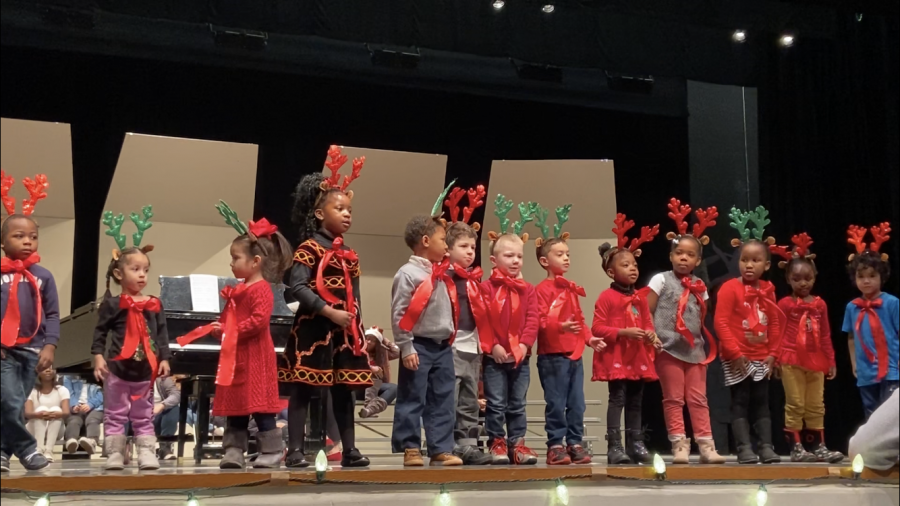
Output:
x,y
802,242
475,199
680,213
37,190
335,161
623,225
856,236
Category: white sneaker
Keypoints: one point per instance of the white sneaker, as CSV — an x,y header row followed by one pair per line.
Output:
x,y
219,431
88,445
48,454
72,445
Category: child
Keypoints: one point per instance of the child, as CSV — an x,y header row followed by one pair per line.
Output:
x,y
749,325
247,377
138,350
677,300
807,356
86,400
424,312
30,315
871,321
622,319
326,347
382,393
562,335
462,239
45,410
513,307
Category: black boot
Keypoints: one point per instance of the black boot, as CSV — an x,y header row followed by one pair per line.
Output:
x,y
635,448
741,430
296,457
353,458
767,455
815,440
615,453
798,453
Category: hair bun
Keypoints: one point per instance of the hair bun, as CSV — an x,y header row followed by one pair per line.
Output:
x,y
604,248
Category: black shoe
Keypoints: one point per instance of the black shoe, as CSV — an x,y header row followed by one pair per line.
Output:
x,y
766,451
615,454
635,448
816,442
352,458
4,463
296,458
472,456
741,430
34,462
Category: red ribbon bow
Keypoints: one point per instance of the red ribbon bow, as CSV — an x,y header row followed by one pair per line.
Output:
x,y
137,333
423,293
13,318
697,289
569,295
867,310
758,298
262,228
632,348
510,290
344,257
805,308
229,337
476,299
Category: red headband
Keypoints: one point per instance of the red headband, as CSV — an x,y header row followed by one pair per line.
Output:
x,y
262,228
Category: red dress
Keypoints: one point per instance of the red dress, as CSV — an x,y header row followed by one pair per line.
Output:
x,y
623,358
806,341
255,385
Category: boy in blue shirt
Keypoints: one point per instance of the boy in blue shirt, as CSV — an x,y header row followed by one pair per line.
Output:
x,y
871,321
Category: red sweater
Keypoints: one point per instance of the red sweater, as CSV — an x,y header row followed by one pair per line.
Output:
x,y
255,385
500,322
817,354
734,315
622,359
553,339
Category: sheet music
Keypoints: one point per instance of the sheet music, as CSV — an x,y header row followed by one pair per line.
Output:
x,y
205,293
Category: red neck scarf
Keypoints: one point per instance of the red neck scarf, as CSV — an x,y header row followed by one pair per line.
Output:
x,y
632,347
228,320
422,295
12,319
806,308
476,299
761,299
567,296
345,258
867,311
510,289
697,289
136,332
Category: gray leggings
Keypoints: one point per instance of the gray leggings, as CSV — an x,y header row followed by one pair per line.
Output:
x,y
89,421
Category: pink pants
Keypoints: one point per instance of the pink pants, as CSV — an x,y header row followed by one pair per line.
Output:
x,y
119,409
682,382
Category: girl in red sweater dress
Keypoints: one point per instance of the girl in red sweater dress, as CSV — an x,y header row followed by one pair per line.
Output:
x,y
749,325
247,377
807,356
623,320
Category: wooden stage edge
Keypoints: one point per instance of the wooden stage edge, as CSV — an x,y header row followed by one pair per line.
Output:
x,y
175,479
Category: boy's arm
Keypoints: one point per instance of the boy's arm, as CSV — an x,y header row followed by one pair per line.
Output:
x,y
848,328
487,290
401,294
532,319
544,300
50,303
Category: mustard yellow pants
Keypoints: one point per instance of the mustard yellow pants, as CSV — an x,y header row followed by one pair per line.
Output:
x,y
804,393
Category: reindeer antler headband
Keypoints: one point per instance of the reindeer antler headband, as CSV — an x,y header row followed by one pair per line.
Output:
x,y
680,213
623,225
540,221
335,161
37,190
503,206
475,199
114,229
802,242
741,220
261,228
856,236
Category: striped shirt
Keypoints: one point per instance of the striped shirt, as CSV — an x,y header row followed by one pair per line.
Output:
x,y
734,375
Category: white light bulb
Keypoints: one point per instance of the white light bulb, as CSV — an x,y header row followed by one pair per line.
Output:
x,y
193,502
548,9
321,462
739,36
562,493
762,496
42,501
858,464
659,465
444,497
787,40
498,4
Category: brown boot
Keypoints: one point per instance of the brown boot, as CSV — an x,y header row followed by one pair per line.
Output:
x,y
412,457
446,460
681,451
708,453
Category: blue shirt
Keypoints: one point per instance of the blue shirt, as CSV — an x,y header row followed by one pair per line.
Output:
x,y
94,396
889,314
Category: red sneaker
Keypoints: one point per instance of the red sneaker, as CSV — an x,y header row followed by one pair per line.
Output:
x,y
499,452
557,456
523,455
578,454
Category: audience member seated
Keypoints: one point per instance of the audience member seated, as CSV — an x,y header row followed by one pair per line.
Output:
x,y
45,410
382,393
166,398
83,425
878,441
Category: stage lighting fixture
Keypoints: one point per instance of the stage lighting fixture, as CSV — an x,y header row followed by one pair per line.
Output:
x,y
498,4
858,466
786,40
548,8
192,501
739,36
659,467
444,497
562,493
44,500
762,496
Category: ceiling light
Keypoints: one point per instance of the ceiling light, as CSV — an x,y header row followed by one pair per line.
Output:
x,y
548,8
739,36
786,40
498,4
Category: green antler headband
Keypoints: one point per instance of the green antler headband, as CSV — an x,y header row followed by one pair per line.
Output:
x,y
527,211
502,208
141,224
741,220
439,204
114,224
562,216
231,217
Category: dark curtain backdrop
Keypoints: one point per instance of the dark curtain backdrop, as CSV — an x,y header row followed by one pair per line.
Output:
x,y
828,158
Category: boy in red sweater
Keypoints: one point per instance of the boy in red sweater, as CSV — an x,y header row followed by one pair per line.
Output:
x,y
513,307
749,325
562,336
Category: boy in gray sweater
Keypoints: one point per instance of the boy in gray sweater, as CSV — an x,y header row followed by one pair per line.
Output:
x,y
423,319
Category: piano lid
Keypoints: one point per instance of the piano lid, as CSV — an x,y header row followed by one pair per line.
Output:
x,y
175,294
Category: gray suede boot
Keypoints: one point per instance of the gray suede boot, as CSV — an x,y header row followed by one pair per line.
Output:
x,y
271,449
235,445
146,448
115,453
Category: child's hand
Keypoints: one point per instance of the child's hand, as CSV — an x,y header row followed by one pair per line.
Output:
x,y
216,330
776,372
498,353
741,363
45,358
633,333
524,350
101,371
411,362
597,344
770,363
571,326
653,340
853,367
378,372
482,404
164,368
832,373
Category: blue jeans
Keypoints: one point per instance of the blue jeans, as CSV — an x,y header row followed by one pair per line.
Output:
x,y
563,382
17,375
426,395
166,423
388,392
505,386
875,395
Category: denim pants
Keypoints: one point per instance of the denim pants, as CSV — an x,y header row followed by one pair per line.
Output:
x,y
563,382
426,396
505,387
166,423
872,395
17,375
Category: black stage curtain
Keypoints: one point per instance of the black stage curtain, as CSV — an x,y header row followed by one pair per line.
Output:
x,y
828,158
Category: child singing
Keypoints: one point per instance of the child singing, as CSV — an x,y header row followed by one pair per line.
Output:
x,y
327,347
29,306
807,356
622,319
677,300
749,325
138,347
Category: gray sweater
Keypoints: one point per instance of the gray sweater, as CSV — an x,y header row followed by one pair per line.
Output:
x,y
879,439
435,322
